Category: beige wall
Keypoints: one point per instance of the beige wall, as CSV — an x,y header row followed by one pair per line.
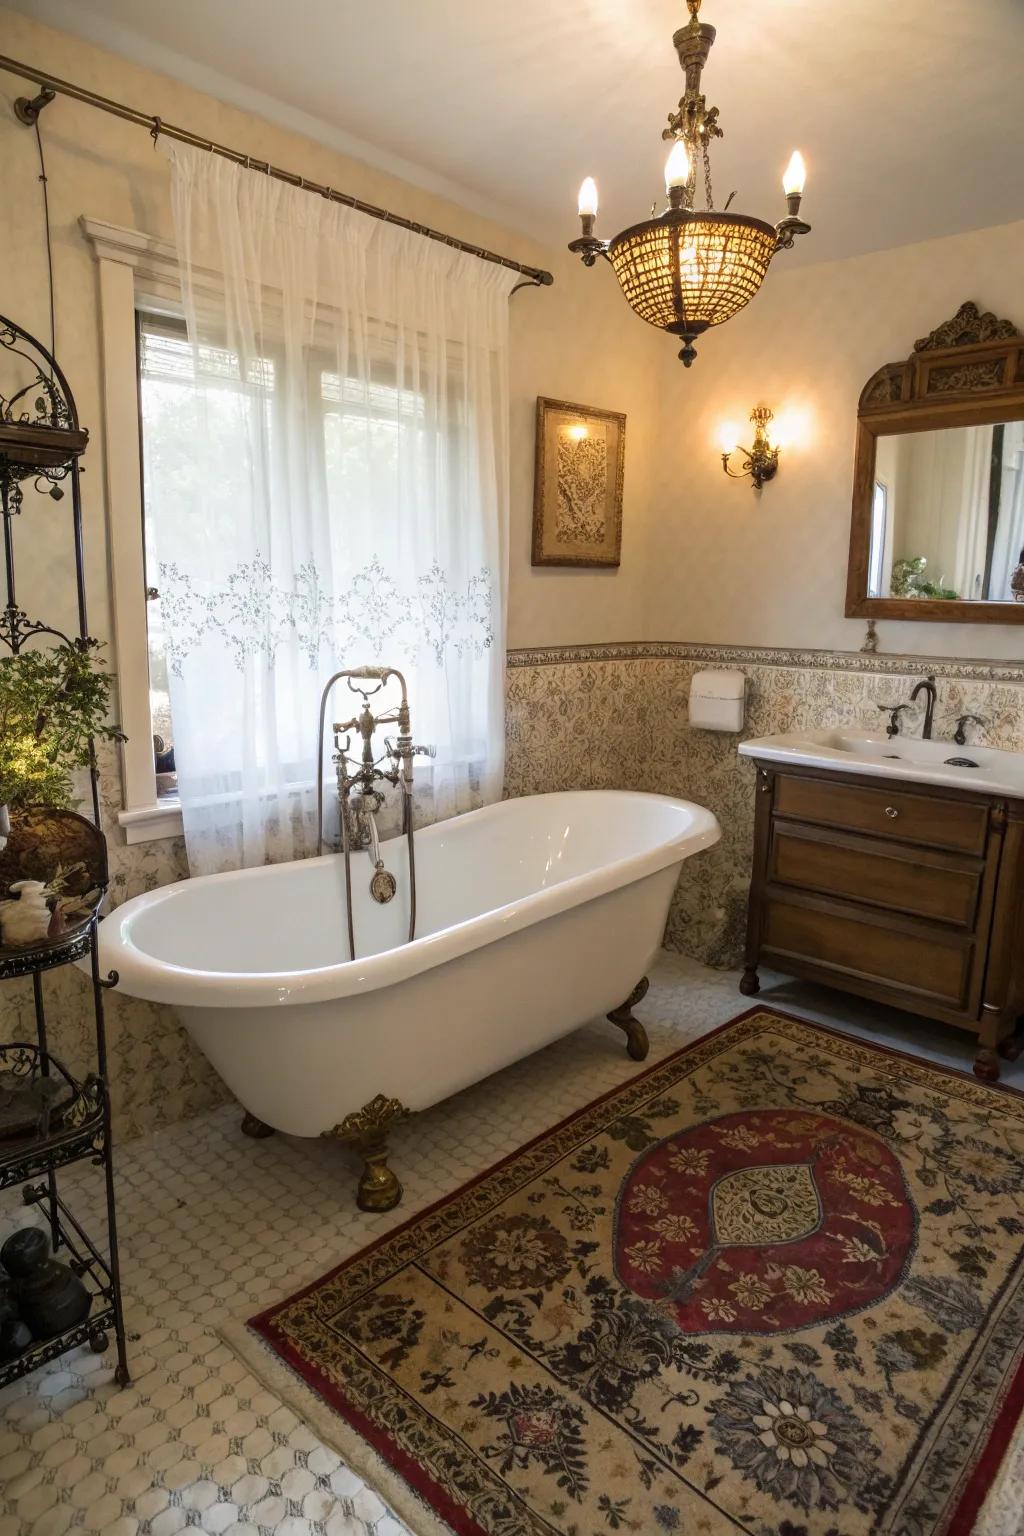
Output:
x,y
703,558
733,567
575,341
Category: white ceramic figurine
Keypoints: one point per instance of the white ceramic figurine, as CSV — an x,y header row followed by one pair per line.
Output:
x,y
25,919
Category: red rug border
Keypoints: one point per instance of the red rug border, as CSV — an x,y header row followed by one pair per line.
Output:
x,y
986,1467
412,1472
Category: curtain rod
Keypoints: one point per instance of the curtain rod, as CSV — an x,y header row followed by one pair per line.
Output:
x,y
50,85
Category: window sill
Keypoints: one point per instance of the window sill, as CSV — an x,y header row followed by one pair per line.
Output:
x,y
149,823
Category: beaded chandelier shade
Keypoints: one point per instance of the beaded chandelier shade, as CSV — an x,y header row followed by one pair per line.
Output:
x,y
688,269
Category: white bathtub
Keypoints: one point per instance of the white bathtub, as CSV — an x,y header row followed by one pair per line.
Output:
x,y
534,915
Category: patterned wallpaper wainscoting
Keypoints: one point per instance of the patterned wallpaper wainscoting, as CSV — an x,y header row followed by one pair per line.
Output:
x,y
616,717
577,717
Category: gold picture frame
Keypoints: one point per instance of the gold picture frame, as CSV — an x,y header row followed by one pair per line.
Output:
x,y
577,489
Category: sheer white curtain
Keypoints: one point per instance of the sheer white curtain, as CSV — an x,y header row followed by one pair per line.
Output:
x,y
348,413
972,524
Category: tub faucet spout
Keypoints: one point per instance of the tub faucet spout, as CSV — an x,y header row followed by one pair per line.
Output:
x,y
369,837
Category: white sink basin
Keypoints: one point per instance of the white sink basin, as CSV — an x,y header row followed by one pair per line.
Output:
x,y
899,757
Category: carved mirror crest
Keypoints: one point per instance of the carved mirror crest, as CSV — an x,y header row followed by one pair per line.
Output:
x,y
937,531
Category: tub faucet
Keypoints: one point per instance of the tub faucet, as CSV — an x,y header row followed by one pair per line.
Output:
x,y
927,687
358,776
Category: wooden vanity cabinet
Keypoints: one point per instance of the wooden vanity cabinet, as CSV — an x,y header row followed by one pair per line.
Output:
x,y
909,894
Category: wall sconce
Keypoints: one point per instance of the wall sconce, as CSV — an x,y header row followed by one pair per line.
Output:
x,y
761,460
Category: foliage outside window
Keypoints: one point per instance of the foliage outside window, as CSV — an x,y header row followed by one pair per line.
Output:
x,y
53,705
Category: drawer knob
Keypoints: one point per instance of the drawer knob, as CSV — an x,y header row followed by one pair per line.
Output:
x,y
891,812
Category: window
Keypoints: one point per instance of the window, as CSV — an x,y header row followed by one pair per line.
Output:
x,y
879,534
190,475
195,411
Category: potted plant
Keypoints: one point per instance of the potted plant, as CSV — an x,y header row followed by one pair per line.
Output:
x,y
53,705
909,580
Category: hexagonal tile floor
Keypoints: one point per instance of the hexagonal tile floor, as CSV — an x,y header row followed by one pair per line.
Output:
x,y
215,1226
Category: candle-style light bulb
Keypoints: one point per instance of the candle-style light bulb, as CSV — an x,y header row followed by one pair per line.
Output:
x,y
795,175
727,437
677,166
587,206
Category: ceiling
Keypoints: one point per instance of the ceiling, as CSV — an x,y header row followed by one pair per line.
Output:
x,y
908,111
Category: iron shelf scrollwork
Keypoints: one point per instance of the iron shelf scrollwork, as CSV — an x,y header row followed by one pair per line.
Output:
x,y
72,1129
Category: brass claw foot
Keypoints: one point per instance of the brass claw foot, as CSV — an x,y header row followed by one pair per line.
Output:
x,y
256,1128
367,1129
637,1043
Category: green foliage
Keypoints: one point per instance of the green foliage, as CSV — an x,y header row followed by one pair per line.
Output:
x,y
909,580
51,703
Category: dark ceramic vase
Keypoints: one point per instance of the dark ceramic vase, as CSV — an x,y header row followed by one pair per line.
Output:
x,y
24,1252
50,1296
8,1304
15,1338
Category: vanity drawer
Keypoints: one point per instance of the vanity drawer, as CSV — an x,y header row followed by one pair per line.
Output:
x,y
892,812
943,887
862,947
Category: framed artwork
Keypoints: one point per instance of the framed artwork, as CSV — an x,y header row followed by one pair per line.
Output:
x,y
577,491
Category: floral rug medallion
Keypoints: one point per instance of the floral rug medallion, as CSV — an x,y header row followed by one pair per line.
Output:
x,y
774,1285
713,1221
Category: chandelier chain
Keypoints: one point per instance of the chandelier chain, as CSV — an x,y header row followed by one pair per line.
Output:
x,y
710,202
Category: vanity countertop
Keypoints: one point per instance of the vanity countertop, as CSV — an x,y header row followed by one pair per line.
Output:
x,y
983,770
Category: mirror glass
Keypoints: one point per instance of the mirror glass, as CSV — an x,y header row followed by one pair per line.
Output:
x,y
947,515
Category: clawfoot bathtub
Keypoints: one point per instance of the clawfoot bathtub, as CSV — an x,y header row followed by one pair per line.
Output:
x,y
534,916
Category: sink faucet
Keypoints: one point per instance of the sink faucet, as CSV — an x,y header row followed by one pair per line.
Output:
x,y
926,686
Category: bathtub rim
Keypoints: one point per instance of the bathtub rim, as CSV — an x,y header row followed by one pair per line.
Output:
x,y
142,975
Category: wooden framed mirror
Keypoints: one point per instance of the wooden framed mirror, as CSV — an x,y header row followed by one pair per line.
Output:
x,y
937,531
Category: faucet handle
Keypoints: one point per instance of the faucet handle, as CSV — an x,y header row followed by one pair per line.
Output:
x,y
893,711
960,734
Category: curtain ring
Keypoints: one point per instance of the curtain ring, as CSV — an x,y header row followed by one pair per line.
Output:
x,y
248,162
156,129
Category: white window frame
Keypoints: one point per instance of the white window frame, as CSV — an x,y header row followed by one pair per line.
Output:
x,y
882,549
135,271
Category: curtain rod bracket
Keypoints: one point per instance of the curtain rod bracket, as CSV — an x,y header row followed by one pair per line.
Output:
x,y
27,110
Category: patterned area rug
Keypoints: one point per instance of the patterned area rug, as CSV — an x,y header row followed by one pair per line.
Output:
x,y
774,1285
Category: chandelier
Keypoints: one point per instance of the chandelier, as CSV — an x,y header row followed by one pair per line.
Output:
x,y
688,269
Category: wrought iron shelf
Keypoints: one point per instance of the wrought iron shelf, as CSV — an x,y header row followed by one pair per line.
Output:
x,y
87,1262
44,957
81,1136
41,446
93,1331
